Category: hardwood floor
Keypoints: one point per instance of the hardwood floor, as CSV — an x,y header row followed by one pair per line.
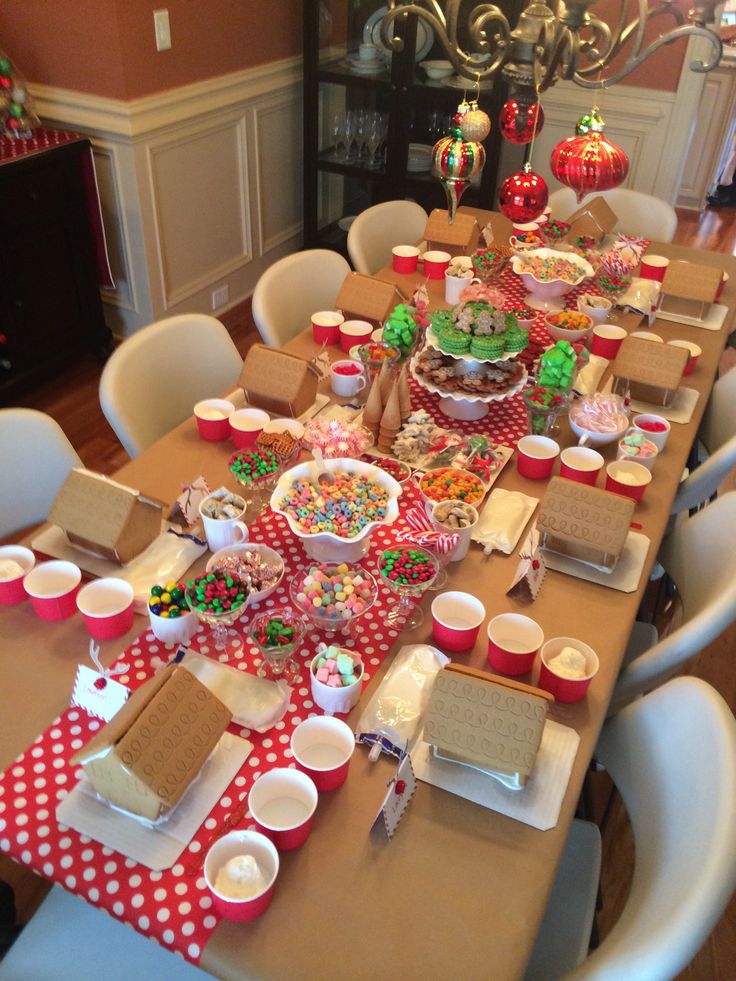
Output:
x,y
74,404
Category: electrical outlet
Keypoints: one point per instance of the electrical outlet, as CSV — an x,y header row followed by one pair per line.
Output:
x,y
162,29
220,297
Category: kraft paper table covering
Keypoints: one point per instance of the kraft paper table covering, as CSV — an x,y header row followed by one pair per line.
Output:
x,y
441,835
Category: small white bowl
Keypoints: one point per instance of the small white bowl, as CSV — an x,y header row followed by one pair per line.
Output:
x,y
597,314
266,553
437,69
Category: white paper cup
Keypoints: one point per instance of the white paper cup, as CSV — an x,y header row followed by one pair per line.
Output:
x,y
645,461
464,534
656,428
173,630
347,385
454,285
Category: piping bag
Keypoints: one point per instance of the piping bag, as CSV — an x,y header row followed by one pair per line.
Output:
x,y
390,719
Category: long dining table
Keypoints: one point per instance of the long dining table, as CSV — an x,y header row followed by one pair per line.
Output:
x,y
460,890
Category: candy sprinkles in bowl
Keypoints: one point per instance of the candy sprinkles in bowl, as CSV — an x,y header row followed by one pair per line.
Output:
x,y
335,518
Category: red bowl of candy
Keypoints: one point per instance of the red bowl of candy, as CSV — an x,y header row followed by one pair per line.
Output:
x,y
525,316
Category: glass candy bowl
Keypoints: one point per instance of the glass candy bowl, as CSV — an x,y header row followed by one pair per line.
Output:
x,y
333,595
408,572
277,634
218,599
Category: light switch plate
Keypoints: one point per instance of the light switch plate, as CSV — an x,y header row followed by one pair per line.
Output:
x,y
163,29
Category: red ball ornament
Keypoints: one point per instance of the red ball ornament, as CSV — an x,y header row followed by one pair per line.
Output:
x,y
523,195
518,119
589,163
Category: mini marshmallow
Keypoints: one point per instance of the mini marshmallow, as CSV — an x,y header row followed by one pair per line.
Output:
x,y
334,681
344,663
323,675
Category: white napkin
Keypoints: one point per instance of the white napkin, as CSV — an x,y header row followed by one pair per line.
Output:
x,y
536,804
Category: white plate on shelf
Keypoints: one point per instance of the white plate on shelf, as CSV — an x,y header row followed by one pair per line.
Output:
x,y
365,67
372,35
419,160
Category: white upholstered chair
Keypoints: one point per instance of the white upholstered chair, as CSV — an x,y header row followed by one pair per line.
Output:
x,y
294,288
153,380
37,458
378,229
672,756
638,213
718,436
700,557
69,940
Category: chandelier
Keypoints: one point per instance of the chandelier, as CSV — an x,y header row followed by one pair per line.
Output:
x,y
553,39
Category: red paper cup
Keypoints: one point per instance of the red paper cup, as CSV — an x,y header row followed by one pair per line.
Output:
x,y
246,425
607,339
107,608
722,285
513,642
435,264
694,352
234,845
656,428
354,332
628,478
326,326
213,418
282,803
581,464
565,689
536,456
456,620
53,588
322,748
653,267
404,259
11,589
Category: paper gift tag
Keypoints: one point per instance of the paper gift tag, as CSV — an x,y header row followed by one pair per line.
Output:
x,y
98,695
400,791
528,578
186,506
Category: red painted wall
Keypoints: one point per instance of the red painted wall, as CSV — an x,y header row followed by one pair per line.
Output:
x,y
107,47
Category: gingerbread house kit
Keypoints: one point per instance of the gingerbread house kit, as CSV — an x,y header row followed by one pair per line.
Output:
x,y
584,522
279,382
362,297
104,517
146,757
485,721
649,370
459,238
595,219
688,289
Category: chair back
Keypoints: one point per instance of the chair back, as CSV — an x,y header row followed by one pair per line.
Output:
x,y
638,213
153,380
294,288
719,419
672,755
36,459
700,485
700,557
378,229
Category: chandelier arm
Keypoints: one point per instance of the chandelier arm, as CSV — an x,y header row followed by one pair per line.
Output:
x,y
592,49
436,21
621,36
687,30
550,53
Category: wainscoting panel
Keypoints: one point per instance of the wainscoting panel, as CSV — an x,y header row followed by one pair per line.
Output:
x,y
200,186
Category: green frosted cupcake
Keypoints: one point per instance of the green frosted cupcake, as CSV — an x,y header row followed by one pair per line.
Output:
x,y
515,340
487,347
454,341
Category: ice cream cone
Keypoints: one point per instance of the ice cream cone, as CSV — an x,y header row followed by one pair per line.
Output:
x,y
391,418
404,395
386,378
373,410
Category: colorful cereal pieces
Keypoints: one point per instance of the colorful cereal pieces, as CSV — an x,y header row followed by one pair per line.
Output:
x,y
168,601
343,508
337,667
451,484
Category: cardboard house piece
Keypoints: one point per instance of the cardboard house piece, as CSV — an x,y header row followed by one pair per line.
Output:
x,y
595,219
472,718
459,238
148,754
649,370
279,382
362,297
688,289
105,517
584,523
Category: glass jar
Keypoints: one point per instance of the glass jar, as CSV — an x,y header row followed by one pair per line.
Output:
x,y
543,406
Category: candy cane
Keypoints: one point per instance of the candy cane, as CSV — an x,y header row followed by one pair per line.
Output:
x,y
437,541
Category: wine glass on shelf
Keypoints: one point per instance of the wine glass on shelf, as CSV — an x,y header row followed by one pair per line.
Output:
x,y
408,572
338,135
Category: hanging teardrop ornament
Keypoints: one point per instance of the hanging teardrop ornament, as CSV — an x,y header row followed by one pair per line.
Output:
x,y
589,162
457,160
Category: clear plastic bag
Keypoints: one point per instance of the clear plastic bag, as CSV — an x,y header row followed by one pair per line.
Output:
x,y
392,716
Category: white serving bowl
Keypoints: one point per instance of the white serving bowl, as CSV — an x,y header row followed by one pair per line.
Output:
x,y
437,68
267,554
544,295
563,334
326,546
